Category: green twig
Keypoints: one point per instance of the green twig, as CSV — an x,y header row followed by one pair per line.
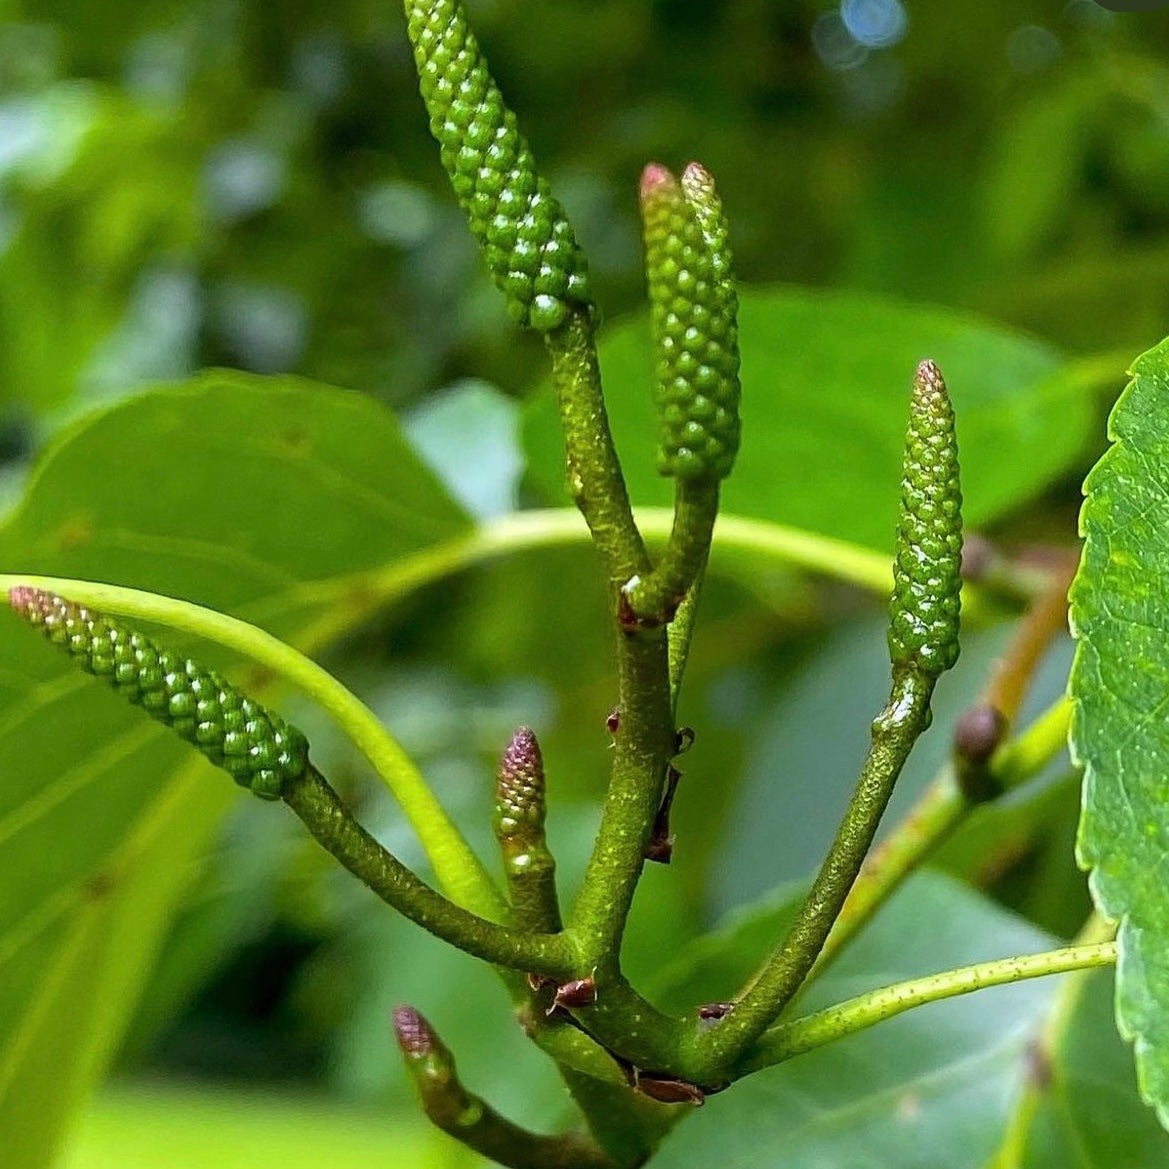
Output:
x,y
345,601
643,747
942,807
1027,754
594,470
681,634
470,1119
330,822
833,1023
1042,1053
644,742
457,867
653,600
895,731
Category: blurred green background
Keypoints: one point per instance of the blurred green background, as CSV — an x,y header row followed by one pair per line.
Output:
x,y
252,185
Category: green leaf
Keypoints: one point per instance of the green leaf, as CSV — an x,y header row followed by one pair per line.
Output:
x,y
259,497
1080,1106
927,1089
1034,170
1120,678
144,1128
118,188
826,381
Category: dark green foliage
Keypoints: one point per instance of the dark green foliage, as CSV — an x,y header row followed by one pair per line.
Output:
x,y
694,318
526,239
923,627
254,746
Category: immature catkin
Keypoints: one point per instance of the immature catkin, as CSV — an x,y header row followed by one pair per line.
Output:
x,y
520,809
923,626
520,790
694,310
525,236
256,747
431,1065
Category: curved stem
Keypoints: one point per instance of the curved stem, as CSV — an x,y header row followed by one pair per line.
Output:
x,y
1043,1053
594,470
939,811
654,599
470,1119
346,600
826,1026
320,809
895,731
680,634
458,869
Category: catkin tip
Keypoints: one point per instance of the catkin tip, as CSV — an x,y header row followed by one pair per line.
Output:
x,y
23,597
697,177
654,178
929,376
416,1037
523,752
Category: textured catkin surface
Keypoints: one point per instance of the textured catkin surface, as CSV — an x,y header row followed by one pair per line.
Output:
x,y
525,236
256,747
519,787
693,311
923,628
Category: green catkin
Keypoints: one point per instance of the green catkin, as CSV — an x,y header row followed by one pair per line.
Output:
x,y
924,611
694,313
256,747
525,236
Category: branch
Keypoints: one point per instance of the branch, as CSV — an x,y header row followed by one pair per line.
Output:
x,y
330,822
455,864
857,1014
943,806
470,1119
895,731
594,470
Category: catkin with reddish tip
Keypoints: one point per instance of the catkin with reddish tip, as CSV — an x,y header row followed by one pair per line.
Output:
x,y
694,318
256,747
927,584
520,810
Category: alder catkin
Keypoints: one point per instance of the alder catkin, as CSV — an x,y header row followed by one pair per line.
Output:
x,y
927,584
256,747
693,312
525,236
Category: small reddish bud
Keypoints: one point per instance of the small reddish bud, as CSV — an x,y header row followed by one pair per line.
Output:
x,y
683,740
715,1010
613,720
670,1091
661,842
979,732
416,1037
580,992
520,780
